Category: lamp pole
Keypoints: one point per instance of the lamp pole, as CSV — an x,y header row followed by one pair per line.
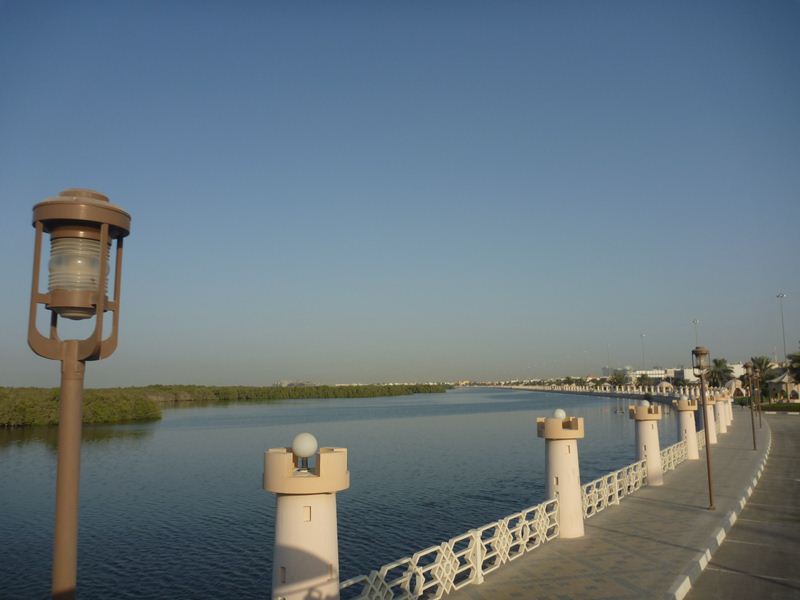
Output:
x,y
780,298
642,335
748,368
81,224
700,364
757,381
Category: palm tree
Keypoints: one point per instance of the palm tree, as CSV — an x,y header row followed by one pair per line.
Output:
x,y
720,372
761,366
794,366
618,378
763,370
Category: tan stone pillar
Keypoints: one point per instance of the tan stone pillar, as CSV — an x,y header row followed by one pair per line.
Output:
x,y
306,551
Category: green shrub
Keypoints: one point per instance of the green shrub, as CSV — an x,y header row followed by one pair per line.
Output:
x,y
39,406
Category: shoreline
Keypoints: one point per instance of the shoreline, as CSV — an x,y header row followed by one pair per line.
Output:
x,y
31,407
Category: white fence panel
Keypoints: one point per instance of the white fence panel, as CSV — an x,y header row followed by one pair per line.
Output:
x,y
436,571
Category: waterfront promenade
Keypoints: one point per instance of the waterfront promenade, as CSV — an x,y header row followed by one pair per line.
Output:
x,y
758,558
649,546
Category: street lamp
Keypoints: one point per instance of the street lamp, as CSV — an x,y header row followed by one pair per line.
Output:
x,y
81,224
748,369
696,323
642,336
780,298
757,385
701,362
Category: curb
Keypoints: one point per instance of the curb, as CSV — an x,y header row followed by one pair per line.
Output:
x,y
684,581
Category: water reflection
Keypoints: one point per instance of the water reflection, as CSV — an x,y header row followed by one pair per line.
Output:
x,y
175,508
91,434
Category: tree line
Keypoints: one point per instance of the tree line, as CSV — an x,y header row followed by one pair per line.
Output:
x,y
21,407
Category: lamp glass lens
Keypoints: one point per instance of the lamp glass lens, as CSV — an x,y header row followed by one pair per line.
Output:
x,y
74,264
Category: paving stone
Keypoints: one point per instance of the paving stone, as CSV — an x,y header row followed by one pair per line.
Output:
x,y
639,548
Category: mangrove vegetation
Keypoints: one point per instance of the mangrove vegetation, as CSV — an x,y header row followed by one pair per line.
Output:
x,y
21,407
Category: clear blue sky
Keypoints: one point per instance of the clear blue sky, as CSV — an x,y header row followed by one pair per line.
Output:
x,y
378,191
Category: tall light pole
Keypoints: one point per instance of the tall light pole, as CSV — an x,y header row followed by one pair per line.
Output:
x,y
780,298
748,368
81,225
757,383
695,322
642,336
701,361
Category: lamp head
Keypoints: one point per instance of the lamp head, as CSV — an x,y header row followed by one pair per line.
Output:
x,y
304,445
559,413
75,220
701,360
81,225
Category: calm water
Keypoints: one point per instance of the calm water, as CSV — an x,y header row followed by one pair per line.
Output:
x,y
175,508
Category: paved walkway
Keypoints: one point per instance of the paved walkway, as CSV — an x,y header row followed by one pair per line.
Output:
x,y
640,548
758,558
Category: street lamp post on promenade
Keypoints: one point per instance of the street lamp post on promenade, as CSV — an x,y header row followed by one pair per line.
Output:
x,y
780,298
757,384
748,368
701,362
642,336
81,224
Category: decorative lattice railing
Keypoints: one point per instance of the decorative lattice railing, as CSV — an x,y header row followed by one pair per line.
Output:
x,y
672,456
460,561
465,559
610,489
701,439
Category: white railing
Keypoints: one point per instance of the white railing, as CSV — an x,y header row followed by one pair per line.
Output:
x,y
701,439
461,561
467,558
672,456
610,489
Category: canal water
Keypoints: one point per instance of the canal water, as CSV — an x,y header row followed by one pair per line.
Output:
x,y
175,509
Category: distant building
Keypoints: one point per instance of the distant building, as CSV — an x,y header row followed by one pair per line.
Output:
x,y
609,371
784,385
684,375
653,373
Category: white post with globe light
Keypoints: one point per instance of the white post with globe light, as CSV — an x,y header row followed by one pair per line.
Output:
x,y
306,551
720,413
729,406
648,448
687,432
562,474
710,421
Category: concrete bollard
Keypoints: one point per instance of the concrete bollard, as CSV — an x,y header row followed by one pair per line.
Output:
x,y
562,469
709,421
687,432
729,407
306,552
647,445
720,416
